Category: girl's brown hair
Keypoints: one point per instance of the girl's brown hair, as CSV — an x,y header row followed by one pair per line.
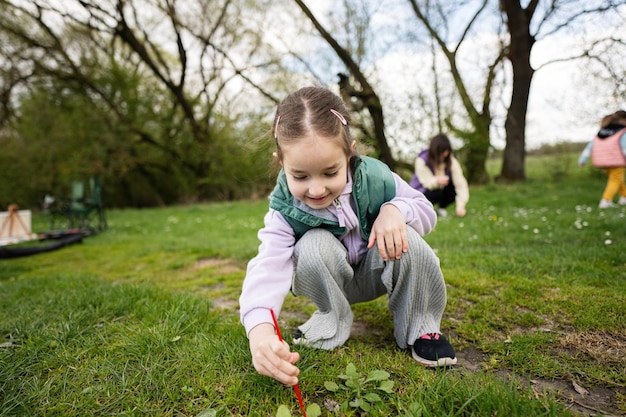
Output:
x,y
617,118
312,110
438,145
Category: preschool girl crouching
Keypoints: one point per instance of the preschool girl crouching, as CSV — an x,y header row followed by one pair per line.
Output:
x,y
340,229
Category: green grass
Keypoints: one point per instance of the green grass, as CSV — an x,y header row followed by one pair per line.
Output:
x,y
141,319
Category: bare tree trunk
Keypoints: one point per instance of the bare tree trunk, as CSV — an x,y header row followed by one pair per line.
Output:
x,y
518,20
513,167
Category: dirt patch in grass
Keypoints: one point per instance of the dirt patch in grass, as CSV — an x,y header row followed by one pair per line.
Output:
x,y
581,400
221,266
224,303
599,346
585,401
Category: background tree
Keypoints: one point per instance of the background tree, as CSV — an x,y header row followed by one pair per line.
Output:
x,y
477,136
525,26
454,23
176,93
95,45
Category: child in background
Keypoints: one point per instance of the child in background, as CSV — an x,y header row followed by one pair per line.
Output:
x,y
608,151
440,177
341,229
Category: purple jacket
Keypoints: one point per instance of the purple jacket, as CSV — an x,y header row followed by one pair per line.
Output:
x,y
415,182
270,273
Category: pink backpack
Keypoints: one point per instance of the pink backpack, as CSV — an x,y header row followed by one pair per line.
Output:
x,y
607,152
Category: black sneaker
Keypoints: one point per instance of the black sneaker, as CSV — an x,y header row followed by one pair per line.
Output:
x,y
432,349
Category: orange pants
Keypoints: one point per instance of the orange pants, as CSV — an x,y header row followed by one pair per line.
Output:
x,y
615,183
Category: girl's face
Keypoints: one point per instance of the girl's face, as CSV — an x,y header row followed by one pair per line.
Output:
x,y
316,170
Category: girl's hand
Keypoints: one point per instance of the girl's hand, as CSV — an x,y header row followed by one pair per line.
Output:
x,y
271,357
443,180
460,211
389,233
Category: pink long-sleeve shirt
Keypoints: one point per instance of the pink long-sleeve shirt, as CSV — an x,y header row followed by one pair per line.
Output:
x,y
269,274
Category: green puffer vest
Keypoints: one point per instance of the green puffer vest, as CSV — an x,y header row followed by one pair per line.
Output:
x,y
373,185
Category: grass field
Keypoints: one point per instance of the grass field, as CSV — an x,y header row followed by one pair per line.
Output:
x,y
142,320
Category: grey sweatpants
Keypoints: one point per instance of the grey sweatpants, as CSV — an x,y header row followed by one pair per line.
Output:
x,y
414,283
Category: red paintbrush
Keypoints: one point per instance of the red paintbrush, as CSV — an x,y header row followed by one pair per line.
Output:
x,y
295,387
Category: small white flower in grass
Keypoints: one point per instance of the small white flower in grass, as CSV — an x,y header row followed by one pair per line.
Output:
x,y
535,230
544,218
607,233
583,208
525,227
585,224
608,241
172,219
461,224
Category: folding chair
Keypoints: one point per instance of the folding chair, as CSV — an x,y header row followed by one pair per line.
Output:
x,y
78,211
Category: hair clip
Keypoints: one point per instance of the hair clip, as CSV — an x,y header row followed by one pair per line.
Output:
x,y
340,117
276,127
